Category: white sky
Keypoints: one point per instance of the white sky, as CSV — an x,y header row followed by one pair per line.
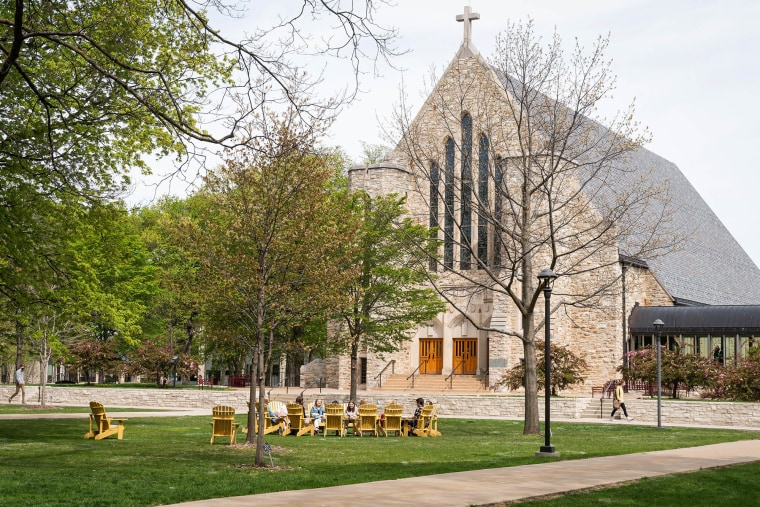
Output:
x,y
691,65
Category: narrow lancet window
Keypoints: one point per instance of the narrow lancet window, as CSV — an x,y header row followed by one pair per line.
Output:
x,y
448,214
466,197
483,202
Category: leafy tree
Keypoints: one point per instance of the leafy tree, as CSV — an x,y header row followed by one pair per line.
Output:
x,y
388,296
272,242
553,198
567,369
676,369
88,90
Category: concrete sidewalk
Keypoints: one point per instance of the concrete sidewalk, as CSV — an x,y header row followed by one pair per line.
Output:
x,y
504,484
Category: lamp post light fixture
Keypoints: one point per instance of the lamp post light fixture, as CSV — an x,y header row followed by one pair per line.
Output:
x,y
658,324
546,277
174,361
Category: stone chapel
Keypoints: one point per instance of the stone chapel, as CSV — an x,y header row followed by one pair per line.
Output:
x,y
706,266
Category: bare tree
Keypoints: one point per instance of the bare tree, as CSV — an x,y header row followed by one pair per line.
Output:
x,y
514,166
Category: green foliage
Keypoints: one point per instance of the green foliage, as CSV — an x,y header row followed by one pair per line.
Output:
x,y
677,370
566,369
388,296
740,382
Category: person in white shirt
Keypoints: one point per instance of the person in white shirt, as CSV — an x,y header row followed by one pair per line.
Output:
x,y
19,385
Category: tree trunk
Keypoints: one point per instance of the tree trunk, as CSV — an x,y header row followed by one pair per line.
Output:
x,y
354,369
532,426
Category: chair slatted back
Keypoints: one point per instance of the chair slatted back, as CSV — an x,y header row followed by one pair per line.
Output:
x,y
99,415
367,419
223,423
334,419
392,420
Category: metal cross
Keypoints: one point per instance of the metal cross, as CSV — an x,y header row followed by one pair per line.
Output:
x,y
468,17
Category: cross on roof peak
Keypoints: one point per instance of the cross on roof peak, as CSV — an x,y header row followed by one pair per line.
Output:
x,y
468,17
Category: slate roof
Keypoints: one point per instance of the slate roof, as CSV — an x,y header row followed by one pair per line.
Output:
x,y
708,267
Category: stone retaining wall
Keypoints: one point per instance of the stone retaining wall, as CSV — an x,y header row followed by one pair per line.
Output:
x,y
449,405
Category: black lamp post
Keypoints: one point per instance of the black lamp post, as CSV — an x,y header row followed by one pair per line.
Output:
x,y
658,324
174,361
547,277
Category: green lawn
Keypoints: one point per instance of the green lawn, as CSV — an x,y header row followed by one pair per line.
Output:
x,y
168,459
731,486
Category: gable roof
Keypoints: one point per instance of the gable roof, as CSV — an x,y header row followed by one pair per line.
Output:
x,y
708,267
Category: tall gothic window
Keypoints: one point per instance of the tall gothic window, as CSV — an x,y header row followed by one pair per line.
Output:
x,y
498,189
483,198
433,221
466,236
448,214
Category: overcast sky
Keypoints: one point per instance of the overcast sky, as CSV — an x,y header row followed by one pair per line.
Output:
x,y
692,66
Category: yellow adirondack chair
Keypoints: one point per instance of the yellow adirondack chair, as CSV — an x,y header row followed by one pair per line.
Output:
x,y
278,425
367,420
434,423
334,419
422,426
392,420
297,423
102,426
223,423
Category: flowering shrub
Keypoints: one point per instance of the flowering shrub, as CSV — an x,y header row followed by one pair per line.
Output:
x,y
678,370
566,369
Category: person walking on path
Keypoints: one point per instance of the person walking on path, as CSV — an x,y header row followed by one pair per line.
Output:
x,y
618,402
19,385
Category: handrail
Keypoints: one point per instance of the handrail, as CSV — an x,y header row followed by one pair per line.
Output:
x,y
318,383
379,376
450,378
415,371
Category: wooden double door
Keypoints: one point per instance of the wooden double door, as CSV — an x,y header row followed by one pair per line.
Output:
x,y
465,357
431,356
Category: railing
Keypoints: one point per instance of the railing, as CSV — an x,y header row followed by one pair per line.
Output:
x,y
313,384
423,363
450,378
379,376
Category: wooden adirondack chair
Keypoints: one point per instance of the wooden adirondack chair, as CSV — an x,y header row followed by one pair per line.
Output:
x,y
392,420
334,419
434,423
367,420
102,426
223,423
297,423
422,426
278,425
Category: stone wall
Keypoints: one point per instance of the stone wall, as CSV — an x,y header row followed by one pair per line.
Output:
x,y
461,406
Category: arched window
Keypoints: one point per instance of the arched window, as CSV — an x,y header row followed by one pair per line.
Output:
x,y
448,214
433,220
498,189
466,197
483,200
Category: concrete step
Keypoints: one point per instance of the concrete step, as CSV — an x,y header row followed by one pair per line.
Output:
x,y
434,383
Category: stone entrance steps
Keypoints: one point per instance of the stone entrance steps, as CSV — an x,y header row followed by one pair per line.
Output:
x,y
434,383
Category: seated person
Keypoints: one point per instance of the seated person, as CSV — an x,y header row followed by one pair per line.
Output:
x,y
417,411
352,413
317,413
275,418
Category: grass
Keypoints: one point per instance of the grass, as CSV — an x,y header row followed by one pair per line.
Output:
x,y
168,459
732,486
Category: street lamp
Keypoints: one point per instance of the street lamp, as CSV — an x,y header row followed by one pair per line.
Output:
x,y
546,277
174,361
658,329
